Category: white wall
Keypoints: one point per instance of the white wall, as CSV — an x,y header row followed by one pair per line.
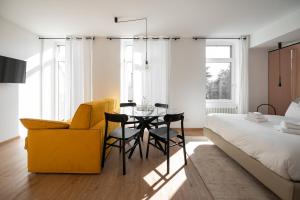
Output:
x,y
258,77
17,43
187,84
106,68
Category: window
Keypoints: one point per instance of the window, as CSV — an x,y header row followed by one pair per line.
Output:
x,y
127,72
219,72
144,84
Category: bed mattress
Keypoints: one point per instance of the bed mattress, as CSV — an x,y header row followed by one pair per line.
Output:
x,y
280,152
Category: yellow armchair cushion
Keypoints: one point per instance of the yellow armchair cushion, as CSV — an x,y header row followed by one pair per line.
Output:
x,y
43,124
82,117
99,107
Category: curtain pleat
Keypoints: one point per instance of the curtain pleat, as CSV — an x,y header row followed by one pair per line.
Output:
x,y
243,76
79,66
150,82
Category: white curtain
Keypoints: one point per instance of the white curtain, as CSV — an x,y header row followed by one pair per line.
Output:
x,y
79,65
47,79
150,82
243,76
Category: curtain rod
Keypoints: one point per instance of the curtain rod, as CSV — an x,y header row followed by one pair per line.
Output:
x,y
66,38
175,38
219,38
137,38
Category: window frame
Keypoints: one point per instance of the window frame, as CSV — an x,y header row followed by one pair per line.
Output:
x,y
232,60
124,44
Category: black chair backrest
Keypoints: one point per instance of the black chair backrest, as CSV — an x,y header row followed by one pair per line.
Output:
x,y
132,104
173,117
266,104
161,105
114,117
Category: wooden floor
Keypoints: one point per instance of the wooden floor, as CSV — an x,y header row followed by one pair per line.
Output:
x,y
145,179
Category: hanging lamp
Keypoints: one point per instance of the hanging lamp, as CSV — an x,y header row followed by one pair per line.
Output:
x,y
146,30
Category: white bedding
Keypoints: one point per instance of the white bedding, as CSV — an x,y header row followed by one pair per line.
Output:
x,y
278,151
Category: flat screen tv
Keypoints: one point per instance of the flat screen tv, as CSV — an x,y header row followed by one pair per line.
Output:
x,y
12,70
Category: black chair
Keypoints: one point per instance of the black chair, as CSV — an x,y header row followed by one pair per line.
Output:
x,y
266,104
159,121
122,134
131,120
165,135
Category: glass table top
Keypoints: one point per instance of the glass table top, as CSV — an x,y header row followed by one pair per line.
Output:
x,y
147,111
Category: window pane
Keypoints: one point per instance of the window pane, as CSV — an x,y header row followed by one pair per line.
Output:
x,y
218,81
218,51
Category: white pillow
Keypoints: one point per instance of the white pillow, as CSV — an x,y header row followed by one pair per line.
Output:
x,y
293,111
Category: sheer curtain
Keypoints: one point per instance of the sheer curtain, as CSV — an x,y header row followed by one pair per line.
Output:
x,y
150,82
243,76
47,79
79,67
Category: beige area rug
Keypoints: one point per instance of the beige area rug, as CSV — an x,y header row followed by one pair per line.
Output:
x,y
224,178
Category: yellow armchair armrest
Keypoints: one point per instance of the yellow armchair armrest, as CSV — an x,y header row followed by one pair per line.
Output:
x,y
43,124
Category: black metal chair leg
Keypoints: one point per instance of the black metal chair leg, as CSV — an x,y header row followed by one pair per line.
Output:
x,y
147,152
103,153
184,150
124,161
168,157
183,142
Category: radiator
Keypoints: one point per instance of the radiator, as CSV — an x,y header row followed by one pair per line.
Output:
x,y
220,109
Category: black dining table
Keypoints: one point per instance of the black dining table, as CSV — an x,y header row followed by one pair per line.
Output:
x,y
145,115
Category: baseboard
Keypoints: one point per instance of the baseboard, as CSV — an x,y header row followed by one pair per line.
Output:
x,y
9,140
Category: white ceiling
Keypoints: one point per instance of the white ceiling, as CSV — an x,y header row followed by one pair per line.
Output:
x,y
165,17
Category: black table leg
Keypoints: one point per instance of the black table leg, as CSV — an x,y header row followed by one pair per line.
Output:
x,y
137,142
144,124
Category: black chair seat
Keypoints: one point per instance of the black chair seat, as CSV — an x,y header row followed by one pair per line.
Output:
x,y
129,132
162,132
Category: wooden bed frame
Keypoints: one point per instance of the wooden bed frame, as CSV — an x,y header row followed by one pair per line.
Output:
x,y
283,188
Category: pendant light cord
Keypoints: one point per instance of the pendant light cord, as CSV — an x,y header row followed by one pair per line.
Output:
x,y
134,20
146,62
279,60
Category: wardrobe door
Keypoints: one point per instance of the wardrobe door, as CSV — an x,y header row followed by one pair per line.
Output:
x,y
280,95
295,71
273,74
286,89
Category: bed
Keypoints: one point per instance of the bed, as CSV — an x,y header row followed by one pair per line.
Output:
x,y
269,155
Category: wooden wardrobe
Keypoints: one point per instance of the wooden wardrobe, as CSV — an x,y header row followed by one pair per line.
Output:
x,y
284,68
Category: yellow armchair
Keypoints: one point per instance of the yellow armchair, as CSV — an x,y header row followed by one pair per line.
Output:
x,y
74,147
